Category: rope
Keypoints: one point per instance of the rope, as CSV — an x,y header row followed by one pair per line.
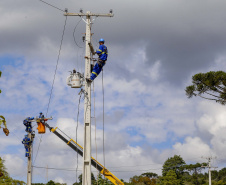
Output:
x,y
51,5
94,112
77,136
103,114
53,82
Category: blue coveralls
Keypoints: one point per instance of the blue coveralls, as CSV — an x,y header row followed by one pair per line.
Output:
x,y
26,141
27,123
103,55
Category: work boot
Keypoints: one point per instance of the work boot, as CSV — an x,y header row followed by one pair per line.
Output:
x,y
89,80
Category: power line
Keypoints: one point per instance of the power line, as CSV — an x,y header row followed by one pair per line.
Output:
x,y
68,169
53,79
56,66
51,5
63,169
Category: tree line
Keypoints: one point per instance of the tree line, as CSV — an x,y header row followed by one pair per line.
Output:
x,y
174,172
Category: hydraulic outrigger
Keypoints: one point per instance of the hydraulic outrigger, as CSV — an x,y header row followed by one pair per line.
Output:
x,y
79,149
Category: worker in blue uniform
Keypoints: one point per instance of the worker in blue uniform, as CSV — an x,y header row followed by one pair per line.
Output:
x,y
41,115
27,123
27,142
103,55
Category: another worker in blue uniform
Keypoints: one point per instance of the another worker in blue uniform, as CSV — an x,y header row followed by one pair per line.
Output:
x,y
41,115
27,123
27,142
103,55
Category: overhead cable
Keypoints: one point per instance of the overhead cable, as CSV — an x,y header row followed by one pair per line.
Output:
x,y
56,66
74,33
51,5
63,169
53,81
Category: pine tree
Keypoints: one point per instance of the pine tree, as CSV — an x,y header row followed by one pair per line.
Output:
x,y
211,86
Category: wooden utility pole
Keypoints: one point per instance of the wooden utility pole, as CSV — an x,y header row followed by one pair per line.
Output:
x,y
86,176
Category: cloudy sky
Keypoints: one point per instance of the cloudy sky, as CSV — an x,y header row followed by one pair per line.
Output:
x,y
155,46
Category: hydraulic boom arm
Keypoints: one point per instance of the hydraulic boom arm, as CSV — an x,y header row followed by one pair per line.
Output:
x,y
76,147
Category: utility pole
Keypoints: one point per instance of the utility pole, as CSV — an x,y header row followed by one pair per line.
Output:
x,y
209,166
29,158
86,176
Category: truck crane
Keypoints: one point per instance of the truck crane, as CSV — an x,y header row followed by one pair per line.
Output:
x,y
77,148
5,130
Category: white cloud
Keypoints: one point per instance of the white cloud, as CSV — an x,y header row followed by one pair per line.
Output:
x,y
192,148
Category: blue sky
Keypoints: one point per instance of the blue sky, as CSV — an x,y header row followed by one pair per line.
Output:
x,y
154,49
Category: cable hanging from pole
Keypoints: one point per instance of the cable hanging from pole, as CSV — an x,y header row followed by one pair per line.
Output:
x,y
52,5
94,112
103,114
56,64
65,22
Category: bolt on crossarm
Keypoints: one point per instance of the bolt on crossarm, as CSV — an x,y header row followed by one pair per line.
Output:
x,y
87,102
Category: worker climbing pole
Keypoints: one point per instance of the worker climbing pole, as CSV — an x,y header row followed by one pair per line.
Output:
x,y
27,142
86,178
29,137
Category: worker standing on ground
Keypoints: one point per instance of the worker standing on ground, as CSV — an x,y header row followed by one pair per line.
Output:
x,y
103,55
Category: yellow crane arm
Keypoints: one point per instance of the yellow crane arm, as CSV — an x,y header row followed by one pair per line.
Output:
x,y
79,149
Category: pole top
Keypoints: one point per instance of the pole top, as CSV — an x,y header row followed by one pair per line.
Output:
x,y
88,13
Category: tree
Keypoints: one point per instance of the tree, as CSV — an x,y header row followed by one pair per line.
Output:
x,y
195,170
5,178
50,183
175,163
210,85
170,178
144,179
2,119
93,180
222,174
55,183
150,175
